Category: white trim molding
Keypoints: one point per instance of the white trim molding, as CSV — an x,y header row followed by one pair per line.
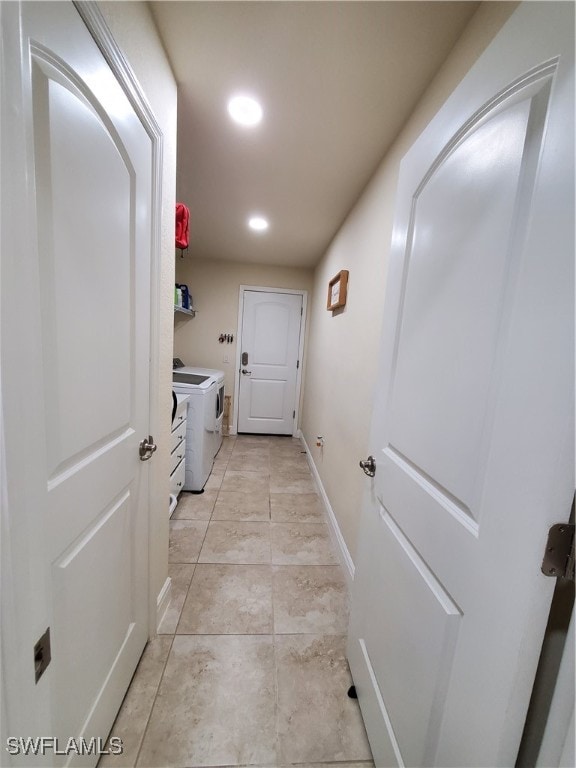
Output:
x,y
163,601
336,534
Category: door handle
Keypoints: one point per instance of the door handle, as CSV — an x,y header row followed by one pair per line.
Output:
x,y
369,466
246,373
147,448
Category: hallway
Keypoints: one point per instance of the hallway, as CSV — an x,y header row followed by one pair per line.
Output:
x,y
249,667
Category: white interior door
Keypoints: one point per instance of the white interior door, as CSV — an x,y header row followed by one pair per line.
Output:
x,y
270,342
473,423
76,248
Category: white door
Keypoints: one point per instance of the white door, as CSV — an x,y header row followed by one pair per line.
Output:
x,y
76,242
269,363
473,423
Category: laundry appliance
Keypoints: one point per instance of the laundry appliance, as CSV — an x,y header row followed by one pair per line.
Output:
x,y
204,419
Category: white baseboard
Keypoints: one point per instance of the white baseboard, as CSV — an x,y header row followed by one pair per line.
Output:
x,y
163,601
345,558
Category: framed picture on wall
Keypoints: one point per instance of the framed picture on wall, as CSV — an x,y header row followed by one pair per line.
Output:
x,y
337,290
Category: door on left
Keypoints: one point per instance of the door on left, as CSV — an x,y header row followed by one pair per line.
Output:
x,y
75,296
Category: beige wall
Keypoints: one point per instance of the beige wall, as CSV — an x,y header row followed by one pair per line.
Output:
x,y
214,286
132,26
343,349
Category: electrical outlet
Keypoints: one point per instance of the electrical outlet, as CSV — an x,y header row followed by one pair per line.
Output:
x,y
225,359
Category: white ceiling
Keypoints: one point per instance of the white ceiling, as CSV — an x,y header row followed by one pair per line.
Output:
x,y
337,80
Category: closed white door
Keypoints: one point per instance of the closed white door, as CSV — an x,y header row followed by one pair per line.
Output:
x,y
76,248
269,364
472,434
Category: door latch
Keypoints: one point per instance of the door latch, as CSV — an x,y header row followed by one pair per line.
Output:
x,y
559,553
369,466
147,448
42,655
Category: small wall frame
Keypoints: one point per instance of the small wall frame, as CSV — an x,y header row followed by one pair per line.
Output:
x,y
337,290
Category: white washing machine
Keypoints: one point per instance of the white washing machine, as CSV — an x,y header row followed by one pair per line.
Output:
x,y
200,424
204,420
218,377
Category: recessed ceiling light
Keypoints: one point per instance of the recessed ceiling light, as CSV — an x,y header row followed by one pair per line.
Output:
x,y
258,223
245,110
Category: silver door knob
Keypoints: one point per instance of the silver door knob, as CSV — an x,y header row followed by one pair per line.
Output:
x,y
369,466
246,373
147,448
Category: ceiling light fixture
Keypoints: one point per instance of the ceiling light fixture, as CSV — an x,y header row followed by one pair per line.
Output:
x,y
245,110
258,223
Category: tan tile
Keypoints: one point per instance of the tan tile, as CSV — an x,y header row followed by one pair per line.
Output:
x,y
229,600
195,506
245,481
181,576
317,722
232,505
292,482
291,456
214,481
301,544
216,704
289,464
186,537
361,764
286,446
250,451
310,599
252,462
221,462
252,441
236,542
296,508
133,716
226,448
284,441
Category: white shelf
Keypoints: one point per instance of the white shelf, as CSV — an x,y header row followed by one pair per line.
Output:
x,y
181,310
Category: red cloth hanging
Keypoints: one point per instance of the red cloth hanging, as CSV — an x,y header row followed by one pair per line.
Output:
x,y
182,225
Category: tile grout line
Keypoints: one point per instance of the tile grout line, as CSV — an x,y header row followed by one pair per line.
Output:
x,y
144,732
277,745
185,598
195,565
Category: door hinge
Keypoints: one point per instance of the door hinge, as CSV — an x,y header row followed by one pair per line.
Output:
x,y
559,554
297,364
293,414
42,655
301,311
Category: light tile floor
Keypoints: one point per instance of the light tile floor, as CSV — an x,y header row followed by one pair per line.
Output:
x,y
249,667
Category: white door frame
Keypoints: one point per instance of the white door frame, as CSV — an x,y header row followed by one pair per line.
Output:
x,y
262,289
94,21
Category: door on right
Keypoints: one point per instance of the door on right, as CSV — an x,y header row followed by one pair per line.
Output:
x,y
472,430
